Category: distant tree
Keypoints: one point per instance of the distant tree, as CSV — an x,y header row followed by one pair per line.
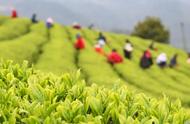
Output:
x,y
152,28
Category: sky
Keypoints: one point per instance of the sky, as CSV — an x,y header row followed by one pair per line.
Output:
x,y
109,14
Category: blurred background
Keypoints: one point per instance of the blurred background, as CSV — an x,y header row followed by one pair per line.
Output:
x,y
110,15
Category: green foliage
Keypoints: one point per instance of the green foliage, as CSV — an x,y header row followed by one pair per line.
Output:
x,y
29,96
152,28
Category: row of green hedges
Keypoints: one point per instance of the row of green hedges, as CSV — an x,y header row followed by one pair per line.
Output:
x,y
13,28
58,55
25,47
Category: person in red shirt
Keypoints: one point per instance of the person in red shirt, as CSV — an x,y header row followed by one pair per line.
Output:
x,y
146,60
14,13
114,57
80,43
148,55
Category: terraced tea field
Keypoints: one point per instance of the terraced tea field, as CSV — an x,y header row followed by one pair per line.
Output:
x,y
53,51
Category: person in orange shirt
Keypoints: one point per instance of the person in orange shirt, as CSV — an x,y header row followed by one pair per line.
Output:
x,y
99,49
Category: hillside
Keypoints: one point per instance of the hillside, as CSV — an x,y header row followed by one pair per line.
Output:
x,y
123,13
53,51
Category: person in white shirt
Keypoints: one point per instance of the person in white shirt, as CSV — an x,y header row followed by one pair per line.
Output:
x,y
101,40
162,60
49,22
128,48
